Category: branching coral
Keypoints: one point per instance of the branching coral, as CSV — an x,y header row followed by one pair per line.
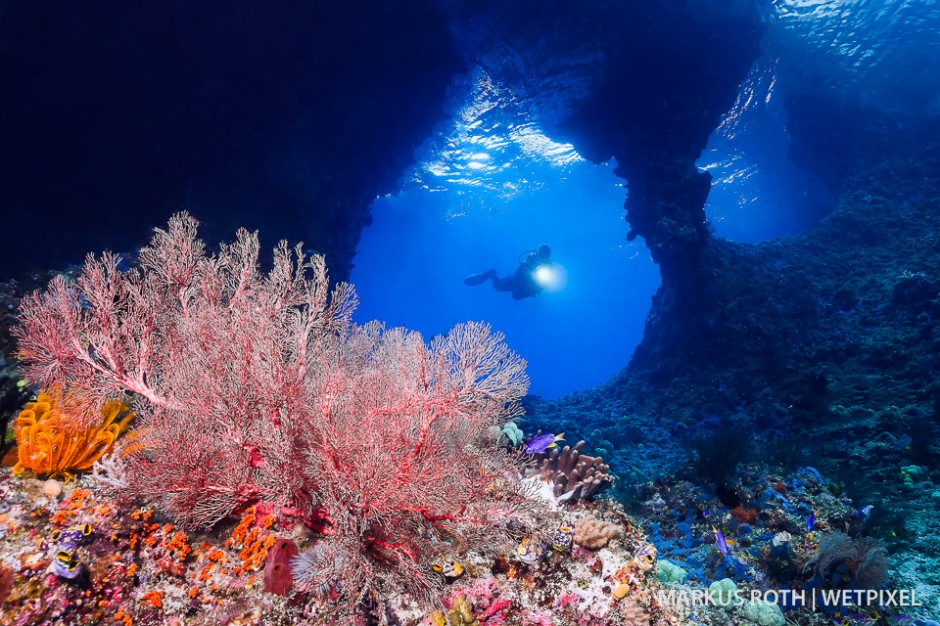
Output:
x,y
574,475
53,441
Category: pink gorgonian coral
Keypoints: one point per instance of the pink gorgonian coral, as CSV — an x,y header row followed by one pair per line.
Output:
x,y
257,387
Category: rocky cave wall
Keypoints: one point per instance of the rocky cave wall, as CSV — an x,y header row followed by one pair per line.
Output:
x,y
820,348
288,117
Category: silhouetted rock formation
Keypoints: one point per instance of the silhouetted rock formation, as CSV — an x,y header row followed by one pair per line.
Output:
x,y
289,117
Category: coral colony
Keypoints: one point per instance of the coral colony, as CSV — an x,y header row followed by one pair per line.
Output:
x,y
235,450
283,464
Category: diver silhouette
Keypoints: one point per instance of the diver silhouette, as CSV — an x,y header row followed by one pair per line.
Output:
x,y
526,281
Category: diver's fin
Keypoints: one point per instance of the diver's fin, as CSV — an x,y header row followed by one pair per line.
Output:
x,y
479,279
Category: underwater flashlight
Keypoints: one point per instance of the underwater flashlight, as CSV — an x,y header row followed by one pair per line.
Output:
x,y
544,275
549,276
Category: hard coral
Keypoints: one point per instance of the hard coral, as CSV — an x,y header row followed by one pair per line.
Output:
x,y
575,476
594,533
634,614
54,441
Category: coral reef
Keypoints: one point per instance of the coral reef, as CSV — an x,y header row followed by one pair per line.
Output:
x,y
807,352
763,613
259,390
461,613
141,569
669,572
278,574
859,562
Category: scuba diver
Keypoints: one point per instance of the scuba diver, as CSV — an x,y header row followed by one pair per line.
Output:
x,y
530,278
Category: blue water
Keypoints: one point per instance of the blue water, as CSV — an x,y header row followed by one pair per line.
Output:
x,y
878,54
758,193
488,187
412,261
491,185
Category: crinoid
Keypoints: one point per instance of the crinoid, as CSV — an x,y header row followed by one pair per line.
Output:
x,y
54,442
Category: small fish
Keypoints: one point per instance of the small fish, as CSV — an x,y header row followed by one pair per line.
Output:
x,y
720,541
531,550
865,512
811,521
543,443
645,557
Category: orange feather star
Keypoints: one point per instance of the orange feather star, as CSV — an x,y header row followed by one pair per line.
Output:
x,y
54,443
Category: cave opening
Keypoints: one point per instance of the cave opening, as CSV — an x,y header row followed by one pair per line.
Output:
x,y
488,186
758,193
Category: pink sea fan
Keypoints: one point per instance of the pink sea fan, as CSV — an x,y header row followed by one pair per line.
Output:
x,y
256,387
